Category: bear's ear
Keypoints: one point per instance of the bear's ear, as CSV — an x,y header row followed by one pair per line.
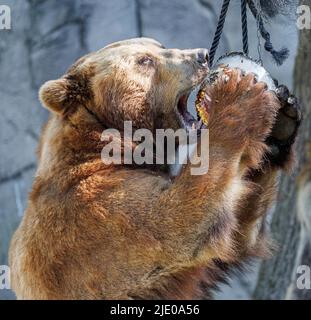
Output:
x,y
54,95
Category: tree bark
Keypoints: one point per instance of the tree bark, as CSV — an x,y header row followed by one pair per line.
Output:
x,y
291,223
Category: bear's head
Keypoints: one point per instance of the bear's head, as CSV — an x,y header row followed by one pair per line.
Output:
x,y
134,80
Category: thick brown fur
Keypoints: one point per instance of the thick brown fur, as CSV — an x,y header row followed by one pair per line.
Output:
x,y
96,231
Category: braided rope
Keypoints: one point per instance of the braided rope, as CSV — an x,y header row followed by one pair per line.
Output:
x,y
258,6
220,26
244,26
279,56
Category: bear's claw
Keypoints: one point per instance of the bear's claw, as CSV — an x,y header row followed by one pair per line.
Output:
x,y
285,129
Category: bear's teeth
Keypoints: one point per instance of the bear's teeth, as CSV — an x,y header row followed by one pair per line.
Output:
x,y
202,105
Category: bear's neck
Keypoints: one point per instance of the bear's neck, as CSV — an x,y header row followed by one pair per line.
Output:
x,y
72,147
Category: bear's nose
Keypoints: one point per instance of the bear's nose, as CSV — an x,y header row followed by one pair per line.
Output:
x,y
202,56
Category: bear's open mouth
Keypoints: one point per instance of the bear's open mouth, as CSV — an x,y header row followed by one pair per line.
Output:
x,y
202,106
186,118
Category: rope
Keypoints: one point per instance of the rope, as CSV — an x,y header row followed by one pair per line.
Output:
x,y
220,26
244,26
258,5
279,56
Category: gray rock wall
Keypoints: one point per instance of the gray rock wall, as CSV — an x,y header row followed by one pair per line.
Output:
x,y
48,35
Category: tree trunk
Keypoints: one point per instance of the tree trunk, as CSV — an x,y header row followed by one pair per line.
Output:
x,y
291,223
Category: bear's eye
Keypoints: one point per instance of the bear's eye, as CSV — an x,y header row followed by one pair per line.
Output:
x,y
145,61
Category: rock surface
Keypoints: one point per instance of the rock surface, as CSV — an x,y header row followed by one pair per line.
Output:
x,y
47,37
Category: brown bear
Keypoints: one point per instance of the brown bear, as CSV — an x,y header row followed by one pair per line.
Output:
x,y
117,231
